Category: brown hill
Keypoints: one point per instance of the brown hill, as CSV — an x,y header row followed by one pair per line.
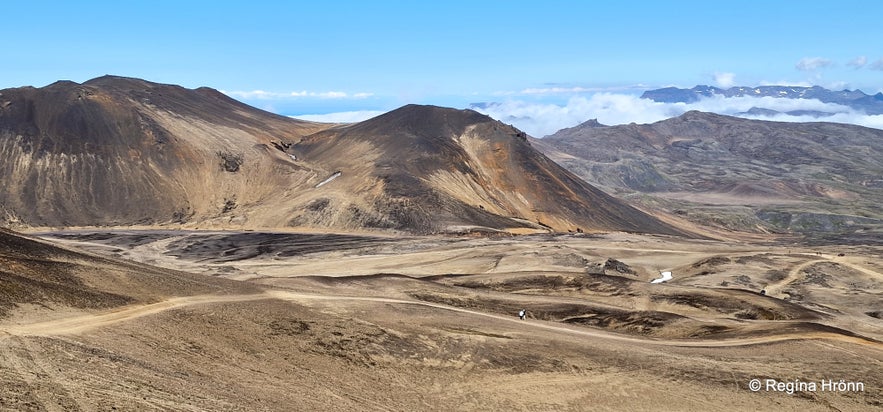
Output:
x,y
116,150
121,151
802,177
431,168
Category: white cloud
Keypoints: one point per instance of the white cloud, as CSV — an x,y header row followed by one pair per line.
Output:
x,y
858,62
331,95
265,95
542,119
252,95
555,90
786,83
340,117
725,79
813,63
877,65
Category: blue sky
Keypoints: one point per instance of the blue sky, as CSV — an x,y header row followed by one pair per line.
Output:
x,y
313,57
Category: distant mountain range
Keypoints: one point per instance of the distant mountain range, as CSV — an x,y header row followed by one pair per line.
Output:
x,y
736,173
855,99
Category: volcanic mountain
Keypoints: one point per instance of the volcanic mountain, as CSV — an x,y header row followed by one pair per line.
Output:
x,y
799,177
116,150
121,151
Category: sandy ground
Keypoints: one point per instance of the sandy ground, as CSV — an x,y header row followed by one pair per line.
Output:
x,y
346,322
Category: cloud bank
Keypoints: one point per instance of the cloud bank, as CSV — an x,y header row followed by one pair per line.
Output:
x,y
725,79
265,95
858,62
813,63
542,119
340,117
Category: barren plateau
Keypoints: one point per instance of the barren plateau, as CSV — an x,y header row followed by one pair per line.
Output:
x,y
325,321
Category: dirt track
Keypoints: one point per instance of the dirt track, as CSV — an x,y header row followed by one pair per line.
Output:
x,y
432,322
79,324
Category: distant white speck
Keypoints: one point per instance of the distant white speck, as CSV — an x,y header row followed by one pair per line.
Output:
x,y
665,277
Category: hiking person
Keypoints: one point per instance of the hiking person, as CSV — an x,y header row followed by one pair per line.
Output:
x,y
521,314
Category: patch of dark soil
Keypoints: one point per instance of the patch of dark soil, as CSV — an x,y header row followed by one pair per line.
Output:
x,y
570,259
747,314
712,261
229,247
469,331
875,314
125,240
343,280
230,162
469,302
613,285
358,345
776,275
764,258
229,205
318,205
739,307
12,245
709,330
744,280
643,322
819,279
817,274
39,273
617,266
436,278
288,327
793,295
182,215
868,238
49,283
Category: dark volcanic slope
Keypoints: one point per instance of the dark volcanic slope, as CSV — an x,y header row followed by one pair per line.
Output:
x,y
821,174
122,151
436,168
117,150
37,273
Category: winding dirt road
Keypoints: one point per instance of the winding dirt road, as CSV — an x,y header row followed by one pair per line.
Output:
x,y
82,323
796,273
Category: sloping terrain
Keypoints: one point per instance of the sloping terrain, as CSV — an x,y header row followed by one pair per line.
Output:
x,y
429,168
118,151
737,173
430,323
38,279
